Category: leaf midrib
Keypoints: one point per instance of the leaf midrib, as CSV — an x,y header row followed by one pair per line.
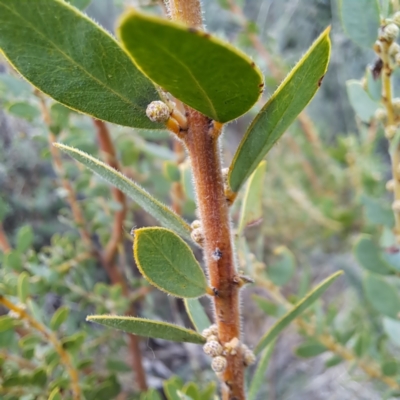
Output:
x,y
73,62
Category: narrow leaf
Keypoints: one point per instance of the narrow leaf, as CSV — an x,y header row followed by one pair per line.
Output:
x,y
69,57
148,328
259,374
59,317
369,256
158,210
251,211
361,20
297,309
310,349
293,94
23,287
168,263
205,73
382,295
197,314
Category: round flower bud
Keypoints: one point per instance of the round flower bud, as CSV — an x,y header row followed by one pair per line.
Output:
x,y
212,348
214,329
390,131
157,111
249,357
212,338
390,185
381,114
378,47
219,364
206,332
396,18
197,235
396,205
389,33
195,224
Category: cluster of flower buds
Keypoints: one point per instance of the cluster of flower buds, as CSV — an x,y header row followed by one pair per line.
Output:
x,y
218,352
197,232
388,34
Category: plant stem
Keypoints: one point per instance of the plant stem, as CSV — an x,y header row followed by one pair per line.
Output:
x,y
4,243
391,123
201,141
52,338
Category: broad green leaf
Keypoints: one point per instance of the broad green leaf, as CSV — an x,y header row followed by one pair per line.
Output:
x,y
73,342
197,314
7,323
151,394
158,210
392,329
333,361
281,271
22,109
81,4
205,73
390,367
258,379
361,20
310,349
251,211
382,296
59,317
192,391
293,94
370,257
361,102
361,344
148,328
297,309
24,238
23,287
171,388
208,392
377,211
168,263
39,377
69,57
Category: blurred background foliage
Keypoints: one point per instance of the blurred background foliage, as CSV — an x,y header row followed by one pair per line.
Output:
x,y
324,198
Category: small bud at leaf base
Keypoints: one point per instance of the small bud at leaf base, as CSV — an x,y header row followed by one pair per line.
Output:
x,y
213,349
390,131
157,111
389,33
219,364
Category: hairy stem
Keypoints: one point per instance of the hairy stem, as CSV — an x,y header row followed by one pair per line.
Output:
x,y
52,338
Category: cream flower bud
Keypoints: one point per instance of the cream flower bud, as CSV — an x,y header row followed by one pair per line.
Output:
x,y
249,357
213,348
389,33
219,364
197,235
396,18
390,131
195,224
390,185
381,114
212,338
396,205
157,111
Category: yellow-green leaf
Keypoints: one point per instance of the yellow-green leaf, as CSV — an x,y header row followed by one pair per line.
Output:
x,y
293,313
293,94
168,263
59,317
23,287
148,328
251,211
69,57
207,74
158,210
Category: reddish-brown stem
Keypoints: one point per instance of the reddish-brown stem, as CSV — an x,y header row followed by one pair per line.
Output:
x,y
110,157
204,153
4,243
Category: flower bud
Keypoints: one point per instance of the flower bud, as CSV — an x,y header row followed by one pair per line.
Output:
x,y
219,364
396,18
381,114
389,33
390,185
390,131
249,357
195,224
197,235
212,348
396,206
157,111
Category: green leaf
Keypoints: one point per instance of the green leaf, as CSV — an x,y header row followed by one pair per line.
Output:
x,y
151,394
258,379
116,365
59,117
81,4
333,361
208,391
361,102
361,20
69,57
282,271
205,73
390,367
55,394
24,238
39,377
297,309
192,391
158,210
251,211
171,171
148,328
168,263
310,349
7,323
382,296
171,388
293,94
74,342
22,109
391,327
59,317
374,86
197,314
377,212
369,256
23,287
